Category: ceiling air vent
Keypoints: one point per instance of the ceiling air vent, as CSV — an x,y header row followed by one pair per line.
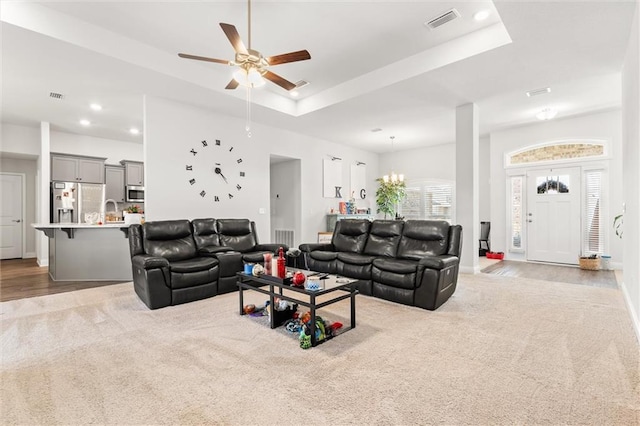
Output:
x,y
55,95
537,92
301,84
443,19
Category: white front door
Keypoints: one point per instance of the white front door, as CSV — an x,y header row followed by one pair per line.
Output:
x,y
553,216
10,216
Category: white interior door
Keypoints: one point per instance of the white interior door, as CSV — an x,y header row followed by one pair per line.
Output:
x,y
553,217
10,216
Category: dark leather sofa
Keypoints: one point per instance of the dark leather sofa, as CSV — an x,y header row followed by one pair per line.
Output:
x,y
178,261
414,262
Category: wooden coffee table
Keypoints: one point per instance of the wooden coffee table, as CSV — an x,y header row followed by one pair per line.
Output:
x,y
340,287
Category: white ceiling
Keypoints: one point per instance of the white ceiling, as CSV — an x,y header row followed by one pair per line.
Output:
x,y
374,64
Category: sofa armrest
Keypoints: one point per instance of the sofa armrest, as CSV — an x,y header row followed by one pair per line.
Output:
x,y
271,247
439,262
316,246
146,261
211,251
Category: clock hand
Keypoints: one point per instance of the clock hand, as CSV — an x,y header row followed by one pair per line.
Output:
x,y
219,172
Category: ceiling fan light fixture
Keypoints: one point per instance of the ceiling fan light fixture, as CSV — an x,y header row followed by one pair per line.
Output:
x,y
251,78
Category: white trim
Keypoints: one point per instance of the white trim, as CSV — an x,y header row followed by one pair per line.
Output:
x,y
30,255
473,270
605,143
632,313
44,263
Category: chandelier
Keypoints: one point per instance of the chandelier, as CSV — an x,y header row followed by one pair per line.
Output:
x,y
393,177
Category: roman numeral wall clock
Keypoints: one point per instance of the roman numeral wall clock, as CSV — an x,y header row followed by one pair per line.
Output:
x,y
215,170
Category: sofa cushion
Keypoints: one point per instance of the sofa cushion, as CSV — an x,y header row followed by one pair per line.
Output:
x,y
171,239
205,232
355,258
396,265
237,234
193,265
384,237
350,235
256,256
323,255
422,238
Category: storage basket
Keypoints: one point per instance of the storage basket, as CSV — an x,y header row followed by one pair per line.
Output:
x,y
590,264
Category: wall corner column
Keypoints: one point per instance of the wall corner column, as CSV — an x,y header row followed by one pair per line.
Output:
x,y
467,187
42,193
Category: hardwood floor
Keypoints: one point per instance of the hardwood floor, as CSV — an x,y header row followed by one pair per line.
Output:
x,y
22,278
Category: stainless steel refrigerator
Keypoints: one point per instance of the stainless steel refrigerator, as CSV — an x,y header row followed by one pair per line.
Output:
x,y
73,202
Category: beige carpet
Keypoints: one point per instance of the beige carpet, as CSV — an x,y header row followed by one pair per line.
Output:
x,y
501,351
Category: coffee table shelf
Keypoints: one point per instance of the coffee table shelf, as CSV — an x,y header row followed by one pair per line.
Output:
x,y
301,296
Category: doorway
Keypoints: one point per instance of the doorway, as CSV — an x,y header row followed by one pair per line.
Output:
x,y
285,175
553,219
11,215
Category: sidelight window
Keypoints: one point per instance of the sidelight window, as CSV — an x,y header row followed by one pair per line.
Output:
x,y
593,227
516,195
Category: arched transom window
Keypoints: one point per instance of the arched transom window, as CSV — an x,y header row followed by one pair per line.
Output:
x,y
557,151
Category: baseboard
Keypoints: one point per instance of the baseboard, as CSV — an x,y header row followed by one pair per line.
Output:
x,y
632,313
43,263
29,255
616,266
470,270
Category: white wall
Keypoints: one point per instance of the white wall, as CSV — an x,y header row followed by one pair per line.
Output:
x,y
113,150
631,151
172,129
484,170
29,168
20,140
603,125
433,162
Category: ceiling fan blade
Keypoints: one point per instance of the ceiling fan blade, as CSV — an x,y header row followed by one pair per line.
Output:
x,y
300,55
232,84
202,58
234,38
275,78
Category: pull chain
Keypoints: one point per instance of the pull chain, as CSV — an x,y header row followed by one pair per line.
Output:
x,y
248,124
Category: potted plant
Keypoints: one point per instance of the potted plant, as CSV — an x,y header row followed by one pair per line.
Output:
x,y
389,195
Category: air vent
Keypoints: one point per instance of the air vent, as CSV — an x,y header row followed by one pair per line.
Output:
x,y
55,95
443,19
301,84
537,92
377,129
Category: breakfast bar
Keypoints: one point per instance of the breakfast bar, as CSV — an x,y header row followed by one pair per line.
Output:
x,y
86,252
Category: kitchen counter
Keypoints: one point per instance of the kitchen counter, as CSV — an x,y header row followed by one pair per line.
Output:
x,y
88,252
69,228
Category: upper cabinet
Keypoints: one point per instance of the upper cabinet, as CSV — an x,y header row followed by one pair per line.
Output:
x,y
133,172
114,183
71,168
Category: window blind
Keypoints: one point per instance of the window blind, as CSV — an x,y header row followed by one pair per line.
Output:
x,y
516,212
429,199
593,229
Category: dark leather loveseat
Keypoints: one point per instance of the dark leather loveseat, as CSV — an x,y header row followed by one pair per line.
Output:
x,y
178,261
414,262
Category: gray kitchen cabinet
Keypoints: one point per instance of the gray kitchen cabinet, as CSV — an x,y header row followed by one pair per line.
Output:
x,y
134,173
71,168
114,183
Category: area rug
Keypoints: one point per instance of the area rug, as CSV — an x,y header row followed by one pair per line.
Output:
x,y
500,351
556,273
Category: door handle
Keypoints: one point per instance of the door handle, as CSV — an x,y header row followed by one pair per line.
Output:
x,y
529,221
17,221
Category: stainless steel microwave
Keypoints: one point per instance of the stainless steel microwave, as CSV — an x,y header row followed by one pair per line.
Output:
x,y
135,194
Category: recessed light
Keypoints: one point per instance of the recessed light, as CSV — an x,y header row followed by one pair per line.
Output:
x,y
482,15
96,107
547,114
134,131
85,122
294,93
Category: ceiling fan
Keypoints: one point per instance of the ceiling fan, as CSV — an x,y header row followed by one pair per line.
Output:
x,y
252,66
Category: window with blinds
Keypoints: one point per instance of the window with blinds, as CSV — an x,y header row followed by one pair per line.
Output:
x,y
516,212
429,199
593,229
